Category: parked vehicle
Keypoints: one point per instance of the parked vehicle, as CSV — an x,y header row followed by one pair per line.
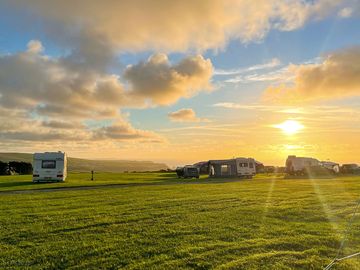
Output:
x,y
50,167
350,168
298,165
310,166
332,166
188,171
236,167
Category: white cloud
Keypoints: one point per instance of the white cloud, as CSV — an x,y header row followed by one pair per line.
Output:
x,y
345,12
35,46
271,64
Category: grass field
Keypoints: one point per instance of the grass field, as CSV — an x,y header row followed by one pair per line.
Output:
x,y
155,221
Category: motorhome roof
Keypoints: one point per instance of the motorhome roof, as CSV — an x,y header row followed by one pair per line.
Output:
x,y
49,154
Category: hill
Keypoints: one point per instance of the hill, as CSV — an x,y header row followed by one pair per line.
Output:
x,y
85,165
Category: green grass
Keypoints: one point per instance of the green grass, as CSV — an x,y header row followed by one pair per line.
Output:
x,y
264,223
24,182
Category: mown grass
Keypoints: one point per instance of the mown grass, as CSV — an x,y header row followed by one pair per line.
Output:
x,y
264,223
24,182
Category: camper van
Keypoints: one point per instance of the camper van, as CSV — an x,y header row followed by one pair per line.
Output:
x,y
236,167
188,171
297,165
246,167
50,167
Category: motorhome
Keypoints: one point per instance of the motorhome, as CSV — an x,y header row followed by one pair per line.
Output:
x,y
188,171
297,165
332,166
50,167
236,167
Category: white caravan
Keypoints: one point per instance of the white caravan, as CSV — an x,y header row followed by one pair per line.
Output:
x,y
245,167
50,166
296,164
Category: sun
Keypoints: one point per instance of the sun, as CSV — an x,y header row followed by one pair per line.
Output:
x,y
290,127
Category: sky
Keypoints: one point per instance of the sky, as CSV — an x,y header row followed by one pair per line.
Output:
x,y
181,81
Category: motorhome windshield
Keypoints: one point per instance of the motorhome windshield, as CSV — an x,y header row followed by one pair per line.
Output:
x,y
192,170
48,164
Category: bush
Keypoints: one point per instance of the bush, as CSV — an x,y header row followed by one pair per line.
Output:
x,y
4,168
20,167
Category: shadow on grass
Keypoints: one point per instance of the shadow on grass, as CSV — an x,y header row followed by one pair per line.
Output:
x,y
16,184
165,179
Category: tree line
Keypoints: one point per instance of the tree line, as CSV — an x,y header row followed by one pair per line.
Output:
x,y
15,167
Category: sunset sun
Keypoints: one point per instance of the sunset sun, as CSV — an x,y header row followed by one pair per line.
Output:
x,y
290,127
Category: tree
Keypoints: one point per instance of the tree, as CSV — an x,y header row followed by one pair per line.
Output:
x,y
4,168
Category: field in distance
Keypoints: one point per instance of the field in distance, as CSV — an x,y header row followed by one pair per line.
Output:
x,y
156,221
86,165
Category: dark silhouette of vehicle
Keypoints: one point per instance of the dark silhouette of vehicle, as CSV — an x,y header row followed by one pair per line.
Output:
x,y
188,171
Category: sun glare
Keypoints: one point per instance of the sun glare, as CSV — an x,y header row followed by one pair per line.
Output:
x,y
290,127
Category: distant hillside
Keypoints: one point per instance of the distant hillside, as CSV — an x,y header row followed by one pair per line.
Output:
x,y
81,165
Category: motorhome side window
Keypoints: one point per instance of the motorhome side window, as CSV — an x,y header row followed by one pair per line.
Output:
x,y
48,164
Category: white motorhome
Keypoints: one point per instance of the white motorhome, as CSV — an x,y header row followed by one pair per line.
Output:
x,y
50,166
296,164
236,167
245,167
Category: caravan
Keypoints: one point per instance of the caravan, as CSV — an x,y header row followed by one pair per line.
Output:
x,y
236,167
50,167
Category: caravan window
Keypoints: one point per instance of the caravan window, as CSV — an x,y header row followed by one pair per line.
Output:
x,y
48,164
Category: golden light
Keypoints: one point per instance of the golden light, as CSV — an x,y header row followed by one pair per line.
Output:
x,y
290,127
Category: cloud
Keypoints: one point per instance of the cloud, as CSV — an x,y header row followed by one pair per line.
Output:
x,y
29,79
163,84
185,115
35,46
337,76
55,124
345,12
271,64
168,25
55,86
279,75
43,98
121,130
231,105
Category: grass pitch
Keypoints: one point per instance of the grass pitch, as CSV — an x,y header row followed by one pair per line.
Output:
x,y
156,221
